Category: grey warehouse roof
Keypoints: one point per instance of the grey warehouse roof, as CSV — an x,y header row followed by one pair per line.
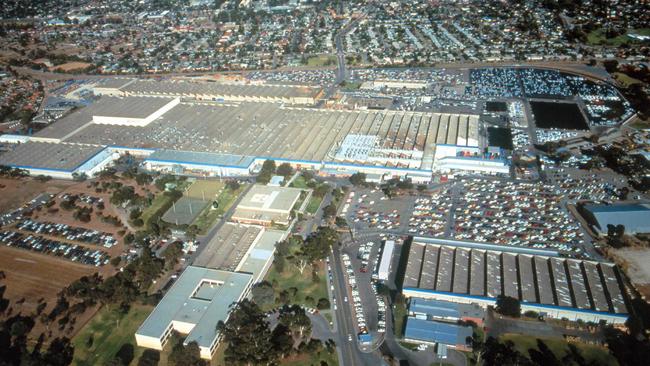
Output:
x,y
200,296
45,155
202,158
533,279
635,217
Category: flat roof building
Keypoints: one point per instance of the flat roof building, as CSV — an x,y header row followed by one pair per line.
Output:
x,y
553,286
199,299
386,259
634,216
263,205
433,332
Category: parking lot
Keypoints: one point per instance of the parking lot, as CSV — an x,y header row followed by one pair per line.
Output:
x,y
371,209
68,232
71,252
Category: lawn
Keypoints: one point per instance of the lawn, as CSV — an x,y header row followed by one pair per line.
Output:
x,y
559,348
598,37
625,80
312,359
158,203
299,182
322,60
399,314
226,198
314,204
291,277
109,330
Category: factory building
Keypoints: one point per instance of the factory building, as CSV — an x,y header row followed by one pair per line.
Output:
x,y
180,127
634,216
265,205
553,286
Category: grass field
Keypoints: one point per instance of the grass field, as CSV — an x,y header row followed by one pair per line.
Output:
x,y
312,359
314,204
109,330
322,60
291,277
399,313
160,201
625,80
208,216
559,348
204,188
598,37
299,182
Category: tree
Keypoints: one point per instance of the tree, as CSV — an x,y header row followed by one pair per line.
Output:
x,y
233,185
296,319
508,306
284,170
358,179
321,190
329,211
149,357
263,293
172,254
189,355
247,336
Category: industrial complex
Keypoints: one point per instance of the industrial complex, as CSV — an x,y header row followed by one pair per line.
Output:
x,y
236,257
176,128
544,282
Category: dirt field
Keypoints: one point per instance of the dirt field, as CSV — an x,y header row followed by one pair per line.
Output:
x,y
635,263
70,66
32,276
16,192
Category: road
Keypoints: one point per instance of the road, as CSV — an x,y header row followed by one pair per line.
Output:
x,y
350,354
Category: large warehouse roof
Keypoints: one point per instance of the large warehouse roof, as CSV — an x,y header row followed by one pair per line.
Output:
x,y
532,279
45,155
182,88
635,217
201,158
264,130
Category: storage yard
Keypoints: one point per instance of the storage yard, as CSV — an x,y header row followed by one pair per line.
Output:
x,y
558,287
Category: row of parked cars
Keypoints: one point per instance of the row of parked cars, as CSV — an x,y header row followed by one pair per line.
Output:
x,y
68,232
514,213
72,252
356,299
430,214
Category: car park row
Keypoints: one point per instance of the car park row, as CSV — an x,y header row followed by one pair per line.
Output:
x,y
71,252
68,232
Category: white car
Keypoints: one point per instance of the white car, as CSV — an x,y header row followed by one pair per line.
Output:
x,y
349,337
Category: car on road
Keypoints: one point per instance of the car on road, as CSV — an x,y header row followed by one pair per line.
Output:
x,y
349,337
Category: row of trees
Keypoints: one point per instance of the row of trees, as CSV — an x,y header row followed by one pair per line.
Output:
x,y
250,340
269,169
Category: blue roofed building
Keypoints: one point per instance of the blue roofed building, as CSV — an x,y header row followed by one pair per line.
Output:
x,y
634,216
445,311
433,332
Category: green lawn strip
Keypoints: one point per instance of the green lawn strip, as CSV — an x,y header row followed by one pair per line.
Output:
x,y
299,182
314,204
322,60
110,329
559,348
399,314
208,216
409,345
625,80
598,37
312,359
160,202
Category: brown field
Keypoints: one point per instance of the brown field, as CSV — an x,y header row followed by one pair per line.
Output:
x,y
16,192
70,66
